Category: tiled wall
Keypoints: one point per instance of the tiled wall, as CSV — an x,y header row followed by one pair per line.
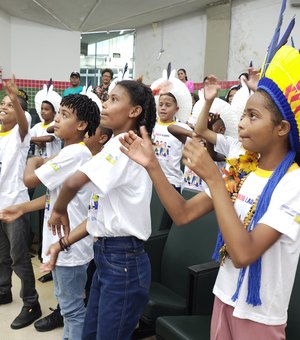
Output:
x,y
33,86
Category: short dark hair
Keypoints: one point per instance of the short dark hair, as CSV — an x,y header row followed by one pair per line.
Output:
x,y
86,110
107,70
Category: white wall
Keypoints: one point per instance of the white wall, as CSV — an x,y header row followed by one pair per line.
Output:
x,y
182,38
5,53
34,51
252,27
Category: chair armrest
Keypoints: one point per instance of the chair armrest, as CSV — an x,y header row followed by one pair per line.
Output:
x,y
154,246
202,278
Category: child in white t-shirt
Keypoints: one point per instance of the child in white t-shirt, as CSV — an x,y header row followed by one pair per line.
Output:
x,y
77,116
119,217
259,220
46,144
15,236
173,107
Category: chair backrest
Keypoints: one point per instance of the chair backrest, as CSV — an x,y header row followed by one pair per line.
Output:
x,y
156,210
186,246
293,323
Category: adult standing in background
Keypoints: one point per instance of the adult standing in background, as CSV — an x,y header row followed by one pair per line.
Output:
x,y
102,90
181,73
75,84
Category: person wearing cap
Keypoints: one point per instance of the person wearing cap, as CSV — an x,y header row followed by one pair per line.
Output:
x,y
75,84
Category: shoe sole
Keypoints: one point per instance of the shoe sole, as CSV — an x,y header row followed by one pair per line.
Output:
x,y
27,323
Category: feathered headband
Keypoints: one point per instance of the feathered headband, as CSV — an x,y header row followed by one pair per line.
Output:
x,y
49,95
169,83
122,75
280,78
88,91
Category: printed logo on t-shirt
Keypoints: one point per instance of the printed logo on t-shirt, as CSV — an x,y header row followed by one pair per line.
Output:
x,y
191,180
245,199
55,166
93,208
111,159
162,149
292,212
47,205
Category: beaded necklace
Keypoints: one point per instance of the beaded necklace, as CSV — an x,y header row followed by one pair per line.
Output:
x,y
238,173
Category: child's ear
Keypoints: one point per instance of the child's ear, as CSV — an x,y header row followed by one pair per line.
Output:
x,y
284,128
136,111
103,139
82,125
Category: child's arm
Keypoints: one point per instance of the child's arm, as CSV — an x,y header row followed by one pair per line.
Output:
x,y
211,88
179,132
75,235
30,178
181,211
243,247
42,139
13,212
59,215
12,92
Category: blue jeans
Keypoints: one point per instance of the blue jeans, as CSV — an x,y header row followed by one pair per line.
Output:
x,y
14,256
119,291
69,283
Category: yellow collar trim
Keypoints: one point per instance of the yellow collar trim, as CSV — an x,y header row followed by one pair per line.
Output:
x,y
267,173
44,126
5,133
82,143
159,122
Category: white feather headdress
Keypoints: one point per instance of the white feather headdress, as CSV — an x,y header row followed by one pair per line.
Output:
x,y
169,83
47,94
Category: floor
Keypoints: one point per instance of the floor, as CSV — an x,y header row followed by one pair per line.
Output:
x,y
10,311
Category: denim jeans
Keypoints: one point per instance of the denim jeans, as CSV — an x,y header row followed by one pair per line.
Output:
x,y
14,256
119,290
69,283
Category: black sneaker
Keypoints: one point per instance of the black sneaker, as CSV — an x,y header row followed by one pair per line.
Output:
x,y
5,298
50,322
27,316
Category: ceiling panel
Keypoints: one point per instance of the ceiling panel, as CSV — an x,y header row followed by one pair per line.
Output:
x,y
95,15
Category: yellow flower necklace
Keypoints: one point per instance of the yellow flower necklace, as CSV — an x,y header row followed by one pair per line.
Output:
x,y
234,178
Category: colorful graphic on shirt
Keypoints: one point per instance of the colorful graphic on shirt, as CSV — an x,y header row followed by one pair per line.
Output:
x,y
55,166
191,180
47,205
112,160
162,149
93,208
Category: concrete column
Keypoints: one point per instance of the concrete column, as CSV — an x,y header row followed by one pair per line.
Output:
x,y
217,40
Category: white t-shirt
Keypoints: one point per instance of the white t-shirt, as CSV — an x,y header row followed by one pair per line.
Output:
x,y
279,262
122,207
53,174
13,154
51,148
168,150
229,147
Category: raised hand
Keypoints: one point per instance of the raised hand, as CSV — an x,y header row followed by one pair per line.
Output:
x,y
11,87
138,149
58,222
11,213
253,78
53,251
211,88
